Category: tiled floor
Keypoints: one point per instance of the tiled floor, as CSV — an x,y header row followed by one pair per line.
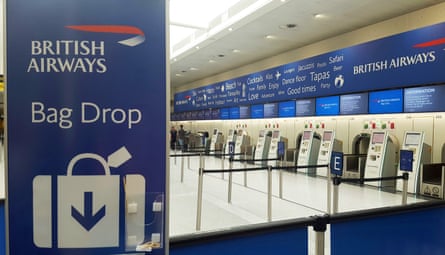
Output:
x,y
302,196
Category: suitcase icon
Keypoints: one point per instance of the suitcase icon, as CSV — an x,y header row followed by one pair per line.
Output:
x,y
87,207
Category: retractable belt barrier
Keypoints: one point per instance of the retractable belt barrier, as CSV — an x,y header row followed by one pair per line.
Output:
x,y
337,180
269,169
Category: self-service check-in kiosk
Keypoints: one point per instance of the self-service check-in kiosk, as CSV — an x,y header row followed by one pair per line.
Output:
x,y
216,140
242,141
262,147
328,144
273,148
382,159
414,141
231,137
356,162
432,180
308,154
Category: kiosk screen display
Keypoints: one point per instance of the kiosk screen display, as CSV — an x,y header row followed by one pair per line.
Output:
x,y
276,134
262,133
327,136
388,101
412,139
377,138
327,106
432,173
307,135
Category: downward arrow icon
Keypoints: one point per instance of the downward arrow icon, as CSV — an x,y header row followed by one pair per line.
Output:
x,y
87,219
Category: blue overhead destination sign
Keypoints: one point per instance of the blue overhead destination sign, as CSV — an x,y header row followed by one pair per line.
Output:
x,y
392,62
86,131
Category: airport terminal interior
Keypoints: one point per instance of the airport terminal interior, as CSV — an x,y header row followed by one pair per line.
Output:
x,y
284,132
272,100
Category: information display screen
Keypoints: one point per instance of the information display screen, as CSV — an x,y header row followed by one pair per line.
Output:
x,y
424,99
286,109
257,111
271,110
327,106
388,101
216,114
244,112
305,107
225,113
234,113
354,104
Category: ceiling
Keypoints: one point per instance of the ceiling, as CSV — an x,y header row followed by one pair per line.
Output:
x,y
247,42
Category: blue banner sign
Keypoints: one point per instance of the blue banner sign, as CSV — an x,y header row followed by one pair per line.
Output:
x,y
392,62
86,126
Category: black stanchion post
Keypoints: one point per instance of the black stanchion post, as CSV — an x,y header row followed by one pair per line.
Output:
x,y
405,189
328,188
229,193
174,148
269,193
320,226
222,165
199,202
336,181
182,169
245,166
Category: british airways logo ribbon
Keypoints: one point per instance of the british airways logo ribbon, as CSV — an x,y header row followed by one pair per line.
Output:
x,y
115,29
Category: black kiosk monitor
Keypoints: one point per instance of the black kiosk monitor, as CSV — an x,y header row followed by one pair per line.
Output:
x,y
432,180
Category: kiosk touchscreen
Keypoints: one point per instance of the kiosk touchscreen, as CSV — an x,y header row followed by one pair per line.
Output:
x,y
273,148
231,137
432,180
262,147
328,144
414,141
242,141
216,140
308,154
382,159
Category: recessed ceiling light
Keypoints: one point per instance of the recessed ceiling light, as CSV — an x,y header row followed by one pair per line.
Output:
x,y
197,47
289,26
270,37
230,29
193,69
236,51
211,61
319,16
178,75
